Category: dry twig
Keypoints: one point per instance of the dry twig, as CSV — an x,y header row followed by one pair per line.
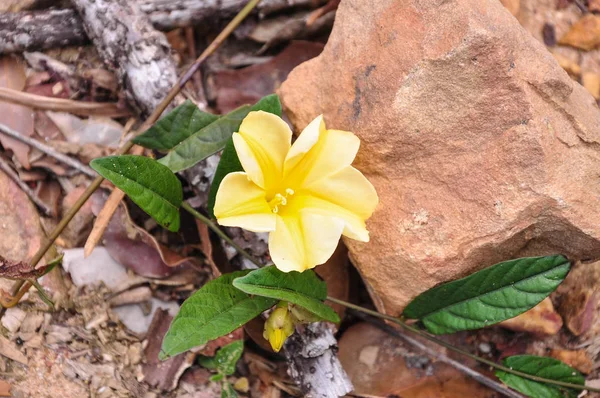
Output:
x,y
24,187
80,108
69,161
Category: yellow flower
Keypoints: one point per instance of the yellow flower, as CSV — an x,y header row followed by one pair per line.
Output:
x,y
305,195
278,327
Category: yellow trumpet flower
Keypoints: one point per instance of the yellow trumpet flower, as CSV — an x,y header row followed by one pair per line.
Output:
x,y
306,195
278,327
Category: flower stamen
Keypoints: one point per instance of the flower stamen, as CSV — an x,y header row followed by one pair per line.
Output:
x,y
280,200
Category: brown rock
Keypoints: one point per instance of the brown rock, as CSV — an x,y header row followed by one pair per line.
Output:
x,y
480,146
579,359
540,320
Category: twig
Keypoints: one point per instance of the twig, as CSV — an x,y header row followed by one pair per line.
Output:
x,y
221,234
24,187
581,6
481,378
149,122
74,163
109,208
80,108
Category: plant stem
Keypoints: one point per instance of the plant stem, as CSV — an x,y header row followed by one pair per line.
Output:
x,y
219,232
449,346
149,122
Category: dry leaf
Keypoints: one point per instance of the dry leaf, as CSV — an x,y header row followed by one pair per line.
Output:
x,y
512,5
335,273
540,320
571,67
579,359
135,248
4,389
237,87
19,222
17,117
95,130
49,192
591,81
10,269
78,228
163,375
584,34
16,5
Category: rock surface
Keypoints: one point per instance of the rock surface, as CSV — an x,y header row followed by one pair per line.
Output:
x,y
480,146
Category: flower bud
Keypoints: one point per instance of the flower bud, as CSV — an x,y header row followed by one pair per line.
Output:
x,y
278,327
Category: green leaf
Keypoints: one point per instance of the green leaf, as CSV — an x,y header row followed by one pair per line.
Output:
x,y
217,377
227,390
175,127
228,356
205,142
492,295
269,103
228,164
548,368
216,309
207,362
152,186
214,136
301,288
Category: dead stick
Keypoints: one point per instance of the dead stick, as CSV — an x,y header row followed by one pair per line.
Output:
x,y
24,187
151,120
69,161
62,105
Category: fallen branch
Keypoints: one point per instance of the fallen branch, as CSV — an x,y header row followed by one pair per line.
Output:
x,y
29,31
74,163
80,108
313,363
128,44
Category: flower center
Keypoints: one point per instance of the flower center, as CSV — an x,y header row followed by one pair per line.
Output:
x,y
280,200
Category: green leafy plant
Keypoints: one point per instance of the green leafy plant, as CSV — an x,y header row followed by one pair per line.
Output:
x,y
548,368
216,309
301,288
148,183
224,364
181,123
492,295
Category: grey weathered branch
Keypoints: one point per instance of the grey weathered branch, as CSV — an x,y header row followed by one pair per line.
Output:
x,y
129,44
28,31
313,364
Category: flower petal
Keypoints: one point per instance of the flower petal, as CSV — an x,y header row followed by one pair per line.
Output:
x,y
262,144
241,203
354,224
304,240
347,188
318,153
